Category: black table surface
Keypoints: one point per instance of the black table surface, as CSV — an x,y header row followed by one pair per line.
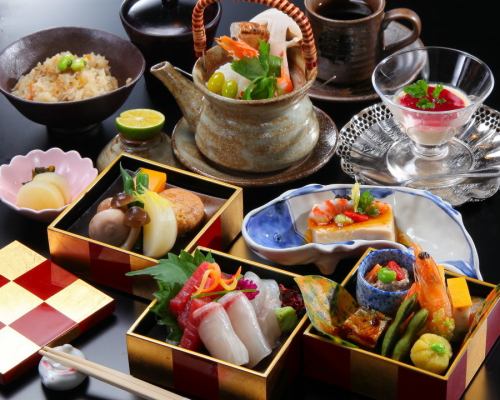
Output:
x,y
470,26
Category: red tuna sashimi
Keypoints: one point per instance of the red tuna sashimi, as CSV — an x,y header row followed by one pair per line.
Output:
x,y
178,303
183,317
190,338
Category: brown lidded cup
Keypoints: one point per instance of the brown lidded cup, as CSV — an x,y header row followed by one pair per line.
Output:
x,y
350,37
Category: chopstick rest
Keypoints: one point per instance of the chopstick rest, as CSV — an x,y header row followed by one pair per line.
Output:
x,y
57,376
111,376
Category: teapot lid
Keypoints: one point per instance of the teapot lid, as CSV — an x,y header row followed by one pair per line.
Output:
x,y
160,17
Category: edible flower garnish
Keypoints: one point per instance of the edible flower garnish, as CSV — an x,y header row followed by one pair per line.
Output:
x,y
262,71
420,90
244,285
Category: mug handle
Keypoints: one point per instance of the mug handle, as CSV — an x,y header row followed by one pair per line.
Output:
x,y
407,15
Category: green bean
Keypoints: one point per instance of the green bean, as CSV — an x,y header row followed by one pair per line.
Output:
x,y
403,346
141,182
128,181
404,310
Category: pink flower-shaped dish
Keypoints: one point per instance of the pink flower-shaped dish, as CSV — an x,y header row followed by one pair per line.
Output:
x,y
78,171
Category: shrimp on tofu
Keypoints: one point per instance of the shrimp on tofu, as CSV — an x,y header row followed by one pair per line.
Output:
x,y
325,212
431,294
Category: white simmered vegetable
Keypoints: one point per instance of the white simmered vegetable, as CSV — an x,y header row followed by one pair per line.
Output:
x,y
160,232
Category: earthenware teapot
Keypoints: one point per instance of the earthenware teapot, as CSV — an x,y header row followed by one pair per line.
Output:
x,y
247,135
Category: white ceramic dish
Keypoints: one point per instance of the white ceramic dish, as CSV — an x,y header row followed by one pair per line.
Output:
x,y
78,171
276,230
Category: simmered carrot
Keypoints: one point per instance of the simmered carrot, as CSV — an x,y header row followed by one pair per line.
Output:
x,y
157,179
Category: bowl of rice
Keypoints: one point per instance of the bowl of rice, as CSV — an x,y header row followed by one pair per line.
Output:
x,y
69,78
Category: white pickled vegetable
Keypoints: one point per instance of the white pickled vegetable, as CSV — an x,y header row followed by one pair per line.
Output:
x,y
39,196
57,180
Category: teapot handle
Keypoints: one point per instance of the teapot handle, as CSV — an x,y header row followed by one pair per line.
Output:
x,y
308,46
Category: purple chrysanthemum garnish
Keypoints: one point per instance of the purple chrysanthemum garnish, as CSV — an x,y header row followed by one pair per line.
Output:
x,y
246,284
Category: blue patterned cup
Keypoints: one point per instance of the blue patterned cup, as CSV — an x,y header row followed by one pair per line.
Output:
x,y
371,297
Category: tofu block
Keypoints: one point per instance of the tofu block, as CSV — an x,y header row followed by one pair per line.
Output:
x,y
381,227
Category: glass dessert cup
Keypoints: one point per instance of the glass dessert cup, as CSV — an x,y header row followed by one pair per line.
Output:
x,y
430,146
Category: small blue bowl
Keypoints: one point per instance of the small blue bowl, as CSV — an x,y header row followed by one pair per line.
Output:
x,y
371,297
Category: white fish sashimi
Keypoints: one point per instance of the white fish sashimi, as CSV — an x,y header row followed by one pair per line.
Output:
x,y
272,290
270,326
264,305
257,301
230,74
266,316
217,334
246,326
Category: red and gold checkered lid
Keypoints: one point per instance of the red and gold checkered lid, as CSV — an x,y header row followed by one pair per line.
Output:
x,y
39,303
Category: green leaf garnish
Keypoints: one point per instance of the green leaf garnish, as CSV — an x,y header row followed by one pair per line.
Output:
x,y
250,68
170,275
417,89
437,91
425,104
262,71
365,202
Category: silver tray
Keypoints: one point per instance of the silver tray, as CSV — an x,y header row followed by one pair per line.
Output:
x,y
366,138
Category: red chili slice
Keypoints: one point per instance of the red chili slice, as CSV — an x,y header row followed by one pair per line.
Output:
x,y
397,269
356,217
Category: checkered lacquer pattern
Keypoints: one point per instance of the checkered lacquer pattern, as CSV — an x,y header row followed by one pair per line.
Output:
x,y
39,303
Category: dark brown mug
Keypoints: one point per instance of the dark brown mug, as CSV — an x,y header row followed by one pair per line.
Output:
x,y
349,49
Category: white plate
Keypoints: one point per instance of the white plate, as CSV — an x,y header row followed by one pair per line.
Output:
x,y
276,230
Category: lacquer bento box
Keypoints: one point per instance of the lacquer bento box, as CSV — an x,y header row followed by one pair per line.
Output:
x,y
200,375
71,246
383,377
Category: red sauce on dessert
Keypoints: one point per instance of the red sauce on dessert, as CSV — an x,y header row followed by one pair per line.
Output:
x,y
444,99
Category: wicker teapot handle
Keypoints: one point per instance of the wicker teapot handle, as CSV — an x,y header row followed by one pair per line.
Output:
x,y
308,46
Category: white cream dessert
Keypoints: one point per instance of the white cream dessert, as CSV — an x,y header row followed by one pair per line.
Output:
x,y
432,123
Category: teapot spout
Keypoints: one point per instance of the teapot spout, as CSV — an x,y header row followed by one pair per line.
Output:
x,y
187,96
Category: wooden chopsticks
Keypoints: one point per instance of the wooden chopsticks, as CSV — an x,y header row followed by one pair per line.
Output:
x,y
111,376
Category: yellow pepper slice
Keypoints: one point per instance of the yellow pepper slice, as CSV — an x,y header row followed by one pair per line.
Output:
x,y
232,282
211,277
